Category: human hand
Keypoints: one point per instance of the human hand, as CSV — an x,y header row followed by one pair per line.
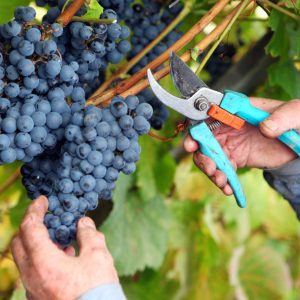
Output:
x,y
251,146
51,273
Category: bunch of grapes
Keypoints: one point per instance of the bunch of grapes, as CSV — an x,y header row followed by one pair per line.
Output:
x,y
220,61
73,154
33,108
99,144
91,46
147,22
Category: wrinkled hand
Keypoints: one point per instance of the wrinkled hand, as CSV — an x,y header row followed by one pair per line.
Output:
x,y
251,146
51,273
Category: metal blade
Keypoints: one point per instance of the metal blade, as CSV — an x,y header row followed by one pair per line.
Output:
x,y
185,80
185,107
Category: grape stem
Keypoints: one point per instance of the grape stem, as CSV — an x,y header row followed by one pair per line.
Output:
x,y
67,15
241,7
123,71
11,180
183,41
93,20
279,8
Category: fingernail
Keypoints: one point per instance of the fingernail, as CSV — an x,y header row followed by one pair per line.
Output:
x,y
271,125
87,222
44,201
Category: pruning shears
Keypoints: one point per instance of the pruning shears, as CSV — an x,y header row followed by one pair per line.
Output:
x,y
201,103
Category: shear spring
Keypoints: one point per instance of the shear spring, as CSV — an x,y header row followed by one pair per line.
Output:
x,y
214,125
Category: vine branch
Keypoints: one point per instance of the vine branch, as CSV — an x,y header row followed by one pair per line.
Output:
x,y
184,40
66,16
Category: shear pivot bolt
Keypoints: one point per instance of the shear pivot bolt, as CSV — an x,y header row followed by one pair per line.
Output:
x,y
201,104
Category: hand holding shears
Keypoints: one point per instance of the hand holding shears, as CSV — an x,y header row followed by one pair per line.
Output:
x,y
202,104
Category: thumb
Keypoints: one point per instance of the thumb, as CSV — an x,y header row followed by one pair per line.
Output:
x,y
284,118
88,238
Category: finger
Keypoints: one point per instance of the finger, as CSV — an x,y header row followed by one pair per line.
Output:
x,y
219,179
268,105
190,145
70,251
38,208
19,254
33,232
227,190
284,118
88,237
204,163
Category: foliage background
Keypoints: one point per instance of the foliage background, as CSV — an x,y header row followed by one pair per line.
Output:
x,y
173,235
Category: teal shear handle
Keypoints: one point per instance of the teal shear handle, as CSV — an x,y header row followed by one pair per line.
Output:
x,y
210,147
239,104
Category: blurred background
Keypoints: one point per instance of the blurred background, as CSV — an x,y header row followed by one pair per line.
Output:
x,y
172,233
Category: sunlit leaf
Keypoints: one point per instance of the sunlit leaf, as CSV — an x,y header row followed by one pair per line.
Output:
x,y
94,10
259,273
18,294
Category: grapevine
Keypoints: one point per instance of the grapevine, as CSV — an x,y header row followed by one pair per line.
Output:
x,y
73,151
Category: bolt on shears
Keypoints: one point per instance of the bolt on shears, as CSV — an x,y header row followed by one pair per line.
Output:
x,y
201,103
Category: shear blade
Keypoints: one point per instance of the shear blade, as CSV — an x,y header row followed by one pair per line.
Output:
x,y
185,107
184,78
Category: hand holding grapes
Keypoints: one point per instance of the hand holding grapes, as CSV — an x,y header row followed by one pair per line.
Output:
x,y
51,273
252,147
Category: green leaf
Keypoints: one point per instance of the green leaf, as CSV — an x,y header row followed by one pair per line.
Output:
x,y
285,75
18,294
136,231
260,273
293,33
157,285
145,172
279,44
165,169
7,8
94,10
17,212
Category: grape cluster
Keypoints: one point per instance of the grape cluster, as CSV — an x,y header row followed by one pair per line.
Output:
x,y
73,154
99,144
147,21
220,61
91,46
32,76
